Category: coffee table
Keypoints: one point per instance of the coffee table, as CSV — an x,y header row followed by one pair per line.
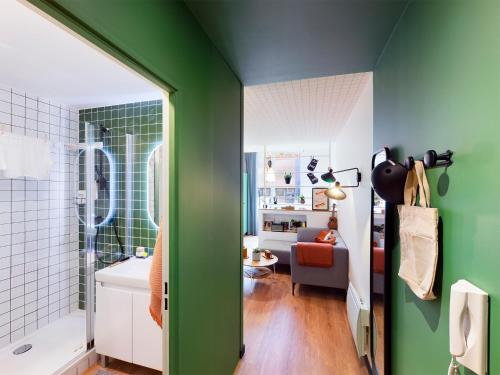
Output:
x,y
258,269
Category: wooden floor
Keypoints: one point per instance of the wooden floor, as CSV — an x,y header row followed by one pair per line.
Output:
x,y
303,334
117,367
379,316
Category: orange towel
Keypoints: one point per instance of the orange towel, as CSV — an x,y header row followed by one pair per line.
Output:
x,y
315,254
378,259
155,280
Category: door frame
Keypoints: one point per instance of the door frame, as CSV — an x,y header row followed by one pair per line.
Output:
x,y
71,24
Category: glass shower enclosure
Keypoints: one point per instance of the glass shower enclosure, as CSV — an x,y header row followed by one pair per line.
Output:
x,y
104,225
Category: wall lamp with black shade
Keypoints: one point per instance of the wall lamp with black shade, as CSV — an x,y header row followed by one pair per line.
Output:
x,y
335,191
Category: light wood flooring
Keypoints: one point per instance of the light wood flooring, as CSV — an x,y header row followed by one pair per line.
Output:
x,y
117,367
303,334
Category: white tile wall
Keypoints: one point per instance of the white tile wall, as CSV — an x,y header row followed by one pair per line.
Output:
x,y
38,254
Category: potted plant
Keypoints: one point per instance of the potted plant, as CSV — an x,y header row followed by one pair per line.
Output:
x,y
288,177
256,254
302,199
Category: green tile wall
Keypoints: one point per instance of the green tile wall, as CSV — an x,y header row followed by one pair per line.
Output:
x,y
143,120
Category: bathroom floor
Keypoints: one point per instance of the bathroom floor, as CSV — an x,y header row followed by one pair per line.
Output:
x,y
53,346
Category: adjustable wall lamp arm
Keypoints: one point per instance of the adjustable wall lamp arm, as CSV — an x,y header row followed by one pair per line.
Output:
x,y
358,176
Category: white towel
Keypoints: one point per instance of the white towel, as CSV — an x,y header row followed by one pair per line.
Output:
x,y
22,156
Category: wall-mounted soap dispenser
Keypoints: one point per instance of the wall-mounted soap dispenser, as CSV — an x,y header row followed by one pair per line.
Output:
x,y
469,326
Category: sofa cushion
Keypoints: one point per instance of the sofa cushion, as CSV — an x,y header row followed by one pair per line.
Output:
x,y
325,236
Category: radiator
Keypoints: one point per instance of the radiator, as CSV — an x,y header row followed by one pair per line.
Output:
x,y
358,315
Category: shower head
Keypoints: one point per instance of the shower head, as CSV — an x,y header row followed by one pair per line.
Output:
x,y
103,130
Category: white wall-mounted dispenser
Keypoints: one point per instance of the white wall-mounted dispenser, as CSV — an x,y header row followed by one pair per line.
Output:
x,y
469,326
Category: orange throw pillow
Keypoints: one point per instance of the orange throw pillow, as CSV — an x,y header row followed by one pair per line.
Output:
x,y
326,236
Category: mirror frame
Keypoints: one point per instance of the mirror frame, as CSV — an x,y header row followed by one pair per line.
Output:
x,y
156,148
388,242
111,185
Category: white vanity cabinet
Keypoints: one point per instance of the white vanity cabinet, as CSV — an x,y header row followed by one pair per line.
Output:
x,y
124,328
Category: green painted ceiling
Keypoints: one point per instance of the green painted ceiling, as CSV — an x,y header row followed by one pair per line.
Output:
x,y
278,40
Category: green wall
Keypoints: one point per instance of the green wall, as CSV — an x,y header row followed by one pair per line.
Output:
x,y
162,39
437,86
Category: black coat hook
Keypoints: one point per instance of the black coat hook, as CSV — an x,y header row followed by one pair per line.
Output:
x,y
432,160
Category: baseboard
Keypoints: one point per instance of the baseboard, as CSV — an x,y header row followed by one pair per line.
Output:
x,y
80,364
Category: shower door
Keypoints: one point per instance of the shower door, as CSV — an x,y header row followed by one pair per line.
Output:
x,y
94,209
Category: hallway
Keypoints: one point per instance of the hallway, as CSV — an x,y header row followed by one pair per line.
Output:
x,y
303,334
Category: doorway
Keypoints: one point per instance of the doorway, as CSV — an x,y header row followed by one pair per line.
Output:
x,y
97,118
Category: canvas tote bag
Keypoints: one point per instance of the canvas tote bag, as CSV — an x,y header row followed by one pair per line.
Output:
x,y
418,231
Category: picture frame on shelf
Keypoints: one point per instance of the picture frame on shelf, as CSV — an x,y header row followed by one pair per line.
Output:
x,y
268,225
320,202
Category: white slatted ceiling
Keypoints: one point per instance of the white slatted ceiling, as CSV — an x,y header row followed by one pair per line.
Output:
x,y
302,111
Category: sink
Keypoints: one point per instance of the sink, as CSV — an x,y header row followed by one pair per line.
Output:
x,y
133,272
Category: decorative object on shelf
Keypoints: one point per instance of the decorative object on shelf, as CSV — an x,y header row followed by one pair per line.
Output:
x,y
277,227
256,254
288,208
320,202
314,180
275,200
268,225
288,177
269,174
294,224
268,254
328,176
302,199
335,192
312,164
245,252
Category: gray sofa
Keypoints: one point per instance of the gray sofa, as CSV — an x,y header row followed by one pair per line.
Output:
x,y
334,277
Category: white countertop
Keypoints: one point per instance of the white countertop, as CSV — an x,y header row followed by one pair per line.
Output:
x,y
133,272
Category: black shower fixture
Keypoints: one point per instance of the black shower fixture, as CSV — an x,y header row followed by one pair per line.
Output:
x,y
312,164
103,130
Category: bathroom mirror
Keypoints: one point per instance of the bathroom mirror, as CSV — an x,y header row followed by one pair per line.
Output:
x,y
154,179
381,213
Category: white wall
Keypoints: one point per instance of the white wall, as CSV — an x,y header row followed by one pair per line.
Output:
x,y
353,148
38,228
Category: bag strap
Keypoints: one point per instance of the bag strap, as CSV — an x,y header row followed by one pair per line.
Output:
x,y
423,185
411,184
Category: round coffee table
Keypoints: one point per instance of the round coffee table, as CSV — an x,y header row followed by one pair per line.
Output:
x,y
257,269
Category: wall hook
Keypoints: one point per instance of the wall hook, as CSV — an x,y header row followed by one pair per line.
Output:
x,y
431,160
